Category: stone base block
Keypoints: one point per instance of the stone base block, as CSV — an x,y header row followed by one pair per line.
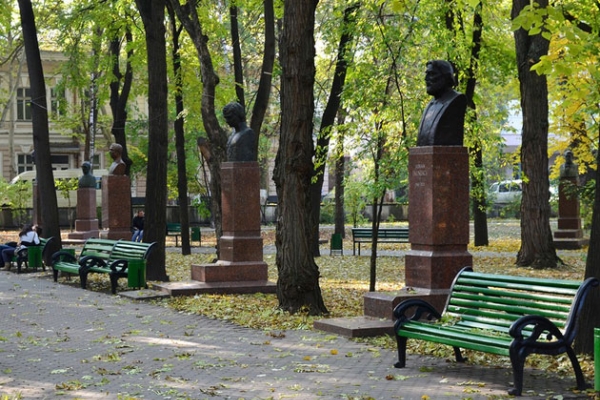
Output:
x,y
84,235
568,234
570,244
84,225
191,288
116,234
223,271
356,327
434,269
382,304
241,248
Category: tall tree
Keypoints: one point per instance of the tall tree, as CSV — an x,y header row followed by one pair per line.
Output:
x,y
39,119
153,16
329,117
298,280
120,87
178,126
537,248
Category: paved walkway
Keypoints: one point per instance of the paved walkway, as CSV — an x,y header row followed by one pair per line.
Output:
x,y
58,341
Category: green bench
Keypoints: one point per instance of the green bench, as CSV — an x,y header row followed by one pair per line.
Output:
x,y
384,235
35,257
499,314
174,229
106,256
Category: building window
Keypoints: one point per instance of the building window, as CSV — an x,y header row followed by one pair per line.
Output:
x,y
24,163
24,104
60,161
57,102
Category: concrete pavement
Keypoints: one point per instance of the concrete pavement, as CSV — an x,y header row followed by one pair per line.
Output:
x,y
59,341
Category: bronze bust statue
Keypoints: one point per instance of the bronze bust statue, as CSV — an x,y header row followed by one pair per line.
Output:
x,y
442,123
118,166
240,145
569,168
87,180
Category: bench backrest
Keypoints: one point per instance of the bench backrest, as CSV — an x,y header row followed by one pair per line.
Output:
x,y
173,228
494,302
131,250
98,247
391,233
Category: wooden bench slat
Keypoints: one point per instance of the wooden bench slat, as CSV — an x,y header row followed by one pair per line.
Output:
x,y
512,306
384,235
466,290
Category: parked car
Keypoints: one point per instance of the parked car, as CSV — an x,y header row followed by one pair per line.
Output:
x,y
506,192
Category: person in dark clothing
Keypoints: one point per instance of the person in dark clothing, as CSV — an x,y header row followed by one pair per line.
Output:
x,y
138,227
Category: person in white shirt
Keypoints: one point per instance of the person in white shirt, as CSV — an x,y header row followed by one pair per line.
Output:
x,y
27,237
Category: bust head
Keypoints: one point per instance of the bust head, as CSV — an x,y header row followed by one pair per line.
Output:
x,y
118,166
115,150
439,77
87,180
234,114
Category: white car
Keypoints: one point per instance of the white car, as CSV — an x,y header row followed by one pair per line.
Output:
x,y
505,192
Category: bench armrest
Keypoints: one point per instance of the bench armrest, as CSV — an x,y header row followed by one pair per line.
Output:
x,y
529,328
63,256
88,262
422,310
118,266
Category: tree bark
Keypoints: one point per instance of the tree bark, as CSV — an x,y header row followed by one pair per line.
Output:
x,y
217,138
178,127
120,88
39,119
298,281
537,248
153,15
589,318
263,92
477,178
238,69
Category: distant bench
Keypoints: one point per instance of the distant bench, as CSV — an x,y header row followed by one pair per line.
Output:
x,y
111,257
507,315
174,229
385,235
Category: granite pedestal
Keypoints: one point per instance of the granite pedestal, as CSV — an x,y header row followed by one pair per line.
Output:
x,y
240,263
86,224
569,235
116,207
438,216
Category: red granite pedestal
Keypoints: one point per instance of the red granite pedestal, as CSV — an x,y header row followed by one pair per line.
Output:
x,y
86,224
116,207
439,228
569,235
240,268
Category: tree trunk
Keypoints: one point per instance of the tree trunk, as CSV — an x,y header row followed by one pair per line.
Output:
x,y
340,175
537,248
263,92
238,69
298,281
589,318
153,14
182,187
328,120
477,178
39,118
120,88
217,137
